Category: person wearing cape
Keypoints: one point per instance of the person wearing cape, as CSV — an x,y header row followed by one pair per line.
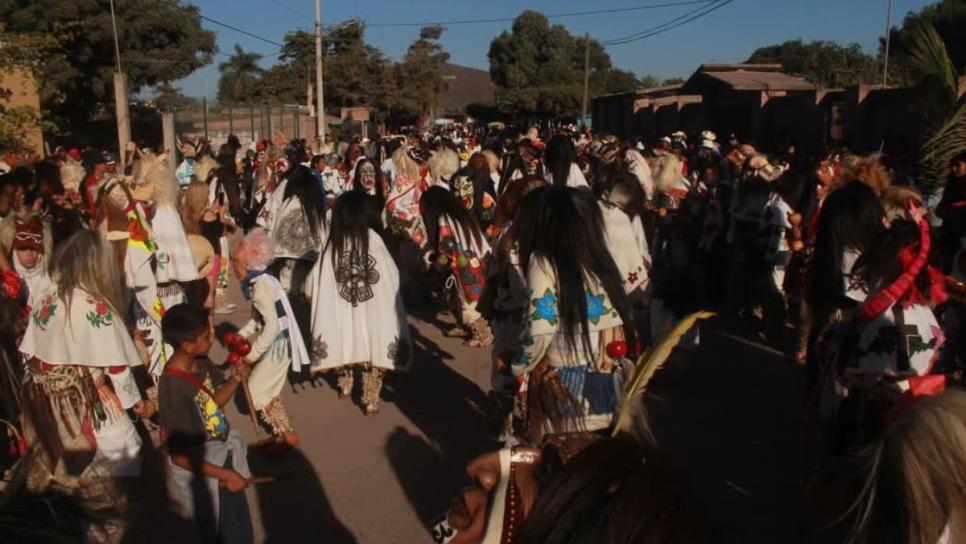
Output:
x,y
276,342
358,317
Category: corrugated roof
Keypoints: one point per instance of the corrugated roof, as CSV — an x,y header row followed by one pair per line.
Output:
x,y
754,80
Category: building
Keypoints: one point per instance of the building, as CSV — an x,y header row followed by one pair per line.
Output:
x,y
763,105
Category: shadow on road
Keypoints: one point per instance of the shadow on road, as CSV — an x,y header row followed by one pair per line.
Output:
x,y
431,469
729,414
295,507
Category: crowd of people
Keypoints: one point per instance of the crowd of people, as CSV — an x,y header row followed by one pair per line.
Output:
x,y
577,261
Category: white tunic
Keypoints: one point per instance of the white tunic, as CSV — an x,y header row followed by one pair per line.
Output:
x,y
357,312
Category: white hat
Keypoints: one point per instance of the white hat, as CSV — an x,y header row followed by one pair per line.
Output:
x,y
708,135
708,144
666,139
679,135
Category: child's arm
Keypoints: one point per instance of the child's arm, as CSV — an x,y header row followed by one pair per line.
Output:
x,y
227,390
233,481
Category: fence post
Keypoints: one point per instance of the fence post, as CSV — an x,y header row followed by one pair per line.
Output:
x,y
204,114
251,119
268,117
298,129
231,121
281,119
167,133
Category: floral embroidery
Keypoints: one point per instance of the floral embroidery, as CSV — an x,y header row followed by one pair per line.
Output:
x,y
355,278
101,315
596,308
545,307
320,348
632,277
47,309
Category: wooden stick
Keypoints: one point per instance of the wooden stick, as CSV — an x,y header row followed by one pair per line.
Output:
x,y
255,480
251,408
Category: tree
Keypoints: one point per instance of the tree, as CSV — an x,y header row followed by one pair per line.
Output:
x,y
167,97
948,19
826,64
936,97
239,80
160,40
19,52
420,75
538,68
673,81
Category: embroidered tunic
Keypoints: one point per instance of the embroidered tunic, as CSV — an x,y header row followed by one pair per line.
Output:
x,y
357,311
278,344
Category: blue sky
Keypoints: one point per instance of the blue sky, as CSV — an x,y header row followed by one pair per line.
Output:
x,y
729,34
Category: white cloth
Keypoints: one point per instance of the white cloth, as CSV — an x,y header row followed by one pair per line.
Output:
x,y
216,453
624,247
575,178
87,332
638,166
37,279
278,345
358,314
174,260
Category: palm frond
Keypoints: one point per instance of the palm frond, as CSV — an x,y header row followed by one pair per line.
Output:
x,y
647,366
948,140
928,51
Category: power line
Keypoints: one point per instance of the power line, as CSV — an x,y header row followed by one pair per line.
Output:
x,y
290,9
549,16
669,25
236,29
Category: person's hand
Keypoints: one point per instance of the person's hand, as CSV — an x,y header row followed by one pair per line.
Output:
x,y
145,408
234,482
241,371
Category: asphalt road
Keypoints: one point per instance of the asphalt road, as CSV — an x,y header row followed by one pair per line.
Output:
x,y
727,413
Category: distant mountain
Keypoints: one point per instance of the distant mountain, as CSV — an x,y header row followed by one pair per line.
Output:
x,y
465,86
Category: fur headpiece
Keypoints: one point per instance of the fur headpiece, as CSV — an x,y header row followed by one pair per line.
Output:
x,y
257,249
71,175
152,179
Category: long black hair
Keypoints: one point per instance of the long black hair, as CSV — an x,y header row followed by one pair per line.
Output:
x,y
353,215
560,155
850,218
512,163
303,185
564,226
437,202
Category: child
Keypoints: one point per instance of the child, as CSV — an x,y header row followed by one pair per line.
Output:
x,y
199,440
276,342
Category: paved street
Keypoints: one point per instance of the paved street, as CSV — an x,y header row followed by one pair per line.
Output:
x,y
726,413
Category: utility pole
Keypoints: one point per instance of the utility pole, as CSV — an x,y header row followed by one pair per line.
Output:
x,y
120,95
583,103
885,64
320,93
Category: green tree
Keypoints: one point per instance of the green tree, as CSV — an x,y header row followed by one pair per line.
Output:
x,y
420,75
160,40
948,19
23,52
826,64
936,98
538,68
239,80
167,97
673,81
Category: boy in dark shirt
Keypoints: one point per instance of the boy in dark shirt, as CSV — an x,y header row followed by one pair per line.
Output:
x,y
208,462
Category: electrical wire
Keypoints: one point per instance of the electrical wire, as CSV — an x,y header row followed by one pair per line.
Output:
x,y
549,16
240,31
669,25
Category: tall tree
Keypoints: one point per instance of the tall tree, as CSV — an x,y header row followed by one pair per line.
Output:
x,y
823,63
167,97
538,68
420,74
238,83
160,40
948,19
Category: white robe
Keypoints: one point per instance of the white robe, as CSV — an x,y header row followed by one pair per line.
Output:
x,y
278,344
358,315
174,254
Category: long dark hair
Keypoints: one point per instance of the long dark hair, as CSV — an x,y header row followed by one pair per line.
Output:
x,y
560,155
353,215
379,182
437,202
565,227
850,218
615,491
478,173
303,185
512,162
